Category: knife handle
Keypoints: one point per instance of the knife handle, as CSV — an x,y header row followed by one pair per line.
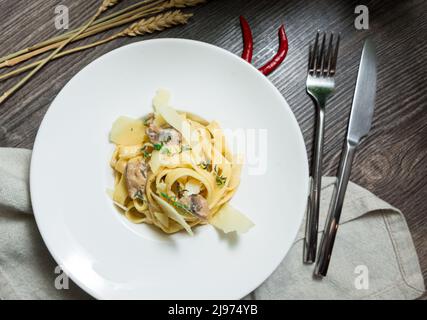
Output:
x,y
310,240
332,221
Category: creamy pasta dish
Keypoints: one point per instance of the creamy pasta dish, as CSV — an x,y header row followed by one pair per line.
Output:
x,y
173,170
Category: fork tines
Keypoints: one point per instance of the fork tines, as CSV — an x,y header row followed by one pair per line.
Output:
x,y
323,61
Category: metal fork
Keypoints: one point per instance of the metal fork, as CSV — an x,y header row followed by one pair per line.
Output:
x,y
320,84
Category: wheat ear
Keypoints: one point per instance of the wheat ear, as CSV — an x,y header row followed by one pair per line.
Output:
x,y
113,17
8,93
107,4
184,3
125,16
157,23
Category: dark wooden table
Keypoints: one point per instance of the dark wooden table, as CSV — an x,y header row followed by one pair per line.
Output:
x,y
391,162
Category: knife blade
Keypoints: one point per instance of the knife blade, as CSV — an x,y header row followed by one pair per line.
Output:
x,y
362,109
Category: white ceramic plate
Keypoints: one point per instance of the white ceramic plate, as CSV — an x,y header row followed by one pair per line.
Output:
x,y
112,258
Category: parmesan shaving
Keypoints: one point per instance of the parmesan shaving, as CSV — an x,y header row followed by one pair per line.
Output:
x,y
228,219
127,131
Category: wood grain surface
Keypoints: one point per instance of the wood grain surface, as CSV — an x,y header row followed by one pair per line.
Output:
x,y
391,162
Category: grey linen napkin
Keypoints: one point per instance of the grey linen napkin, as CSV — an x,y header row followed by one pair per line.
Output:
x,y
374,256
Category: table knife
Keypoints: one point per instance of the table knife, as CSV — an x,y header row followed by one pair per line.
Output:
x,y
359,124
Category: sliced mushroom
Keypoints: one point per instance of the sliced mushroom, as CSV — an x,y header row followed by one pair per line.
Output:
x,y
197,204
136,177
153,133
167,136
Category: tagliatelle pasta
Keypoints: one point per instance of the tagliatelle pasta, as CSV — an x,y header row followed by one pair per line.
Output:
x,y
173,170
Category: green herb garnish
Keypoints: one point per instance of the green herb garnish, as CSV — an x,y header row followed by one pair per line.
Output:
x,y
220,179
145,153
158,146
176,203
205,165
165,150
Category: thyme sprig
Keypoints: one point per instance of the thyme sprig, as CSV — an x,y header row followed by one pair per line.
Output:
x,y
166,150
145,153
173,201
220,179
158,146
205,165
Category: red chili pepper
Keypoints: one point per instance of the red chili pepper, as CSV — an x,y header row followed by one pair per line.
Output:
x,y
248,44
278,58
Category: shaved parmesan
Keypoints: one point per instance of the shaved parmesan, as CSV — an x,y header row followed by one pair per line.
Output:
x,y
173,118
161,98
158,120
172,213
229,219
127,131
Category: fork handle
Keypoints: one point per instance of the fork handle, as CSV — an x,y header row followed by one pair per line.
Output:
x,y
310,245
332,221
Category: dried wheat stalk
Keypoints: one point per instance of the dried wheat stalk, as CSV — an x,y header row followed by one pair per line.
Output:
x,y
144,26
8,93
126,12
89,32
152,8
